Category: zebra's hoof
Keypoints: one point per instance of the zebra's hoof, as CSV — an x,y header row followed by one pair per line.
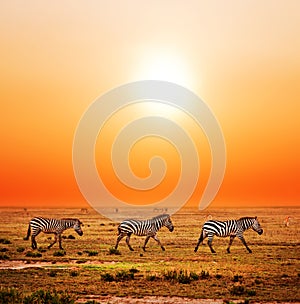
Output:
x,y
196,249
228,251
144,248
131,249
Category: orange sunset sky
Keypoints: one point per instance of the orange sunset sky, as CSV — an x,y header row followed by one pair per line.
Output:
x,y
241,57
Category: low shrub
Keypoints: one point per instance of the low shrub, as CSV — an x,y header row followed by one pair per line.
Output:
x,y
32,254
74,273
59,253
204,274
52,273
48,297
92,253
13,296
4,256
20,249
124,275
107,277
114,251
9,296
5,241
181,276
237,290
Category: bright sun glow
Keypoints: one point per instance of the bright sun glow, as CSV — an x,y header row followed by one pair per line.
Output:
x,y
163,65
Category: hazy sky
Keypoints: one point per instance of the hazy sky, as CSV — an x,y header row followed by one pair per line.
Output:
x,y
241,57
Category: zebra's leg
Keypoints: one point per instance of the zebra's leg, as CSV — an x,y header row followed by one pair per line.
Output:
x,y
127,241
230,242
55,240
121,235
158,241
200,240
245,244
59,241
33,241
146,241
210,239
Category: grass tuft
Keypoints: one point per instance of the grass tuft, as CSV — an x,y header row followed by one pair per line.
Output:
x,y
59,253
112,251
32,254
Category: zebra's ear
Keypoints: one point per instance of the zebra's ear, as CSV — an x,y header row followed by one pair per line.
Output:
x,y
256,217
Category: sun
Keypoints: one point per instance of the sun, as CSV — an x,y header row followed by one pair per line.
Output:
x,y
167,65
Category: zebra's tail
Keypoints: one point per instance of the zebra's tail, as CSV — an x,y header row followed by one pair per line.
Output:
x,y
28,233
119,230
200,240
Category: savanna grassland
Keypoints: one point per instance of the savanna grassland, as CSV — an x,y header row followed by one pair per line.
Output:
x,y
90,269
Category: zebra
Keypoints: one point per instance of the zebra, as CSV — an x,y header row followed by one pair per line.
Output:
x,y
230,228
147,228
55,226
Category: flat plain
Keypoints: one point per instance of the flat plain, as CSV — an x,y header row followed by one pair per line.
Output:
x,y
92,271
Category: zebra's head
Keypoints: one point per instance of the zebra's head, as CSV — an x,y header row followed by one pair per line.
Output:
x,y
77,227
168,223
256,226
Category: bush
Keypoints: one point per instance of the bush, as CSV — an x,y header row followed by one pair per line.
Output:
x,y
237,278
74,273
32,254
107,277
59,253
204,274
4,256
47,297
3,249
10,296
92,253
133,270
181,276
237,290
114,251
42,249
251,293
52,273
151,277
5,241
20,249
123,275
184,277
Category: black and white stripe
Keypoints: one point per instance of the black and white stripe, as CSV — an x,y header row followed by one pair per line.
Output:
x,y
230,228
147,228
55,226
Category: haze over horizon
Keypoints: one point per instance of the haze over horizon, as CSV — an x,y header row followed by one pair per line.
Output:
x,y
241,58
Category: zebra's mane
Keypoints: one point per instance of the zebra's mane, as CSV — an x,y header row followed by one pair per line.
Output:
x,y
247,218
70,219
161,216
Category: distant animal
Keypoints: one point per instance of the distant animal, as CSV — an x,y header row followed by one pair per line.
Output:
x,y
147,228
49,225
230,228
287,221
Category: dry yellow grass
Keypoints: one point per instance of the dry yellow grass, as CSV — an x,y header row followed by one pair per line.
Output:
x,y
270,273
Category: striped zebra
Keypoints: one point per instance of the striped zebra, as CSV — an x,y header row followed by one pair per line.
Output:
x,y
230,228
147,228
55,226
